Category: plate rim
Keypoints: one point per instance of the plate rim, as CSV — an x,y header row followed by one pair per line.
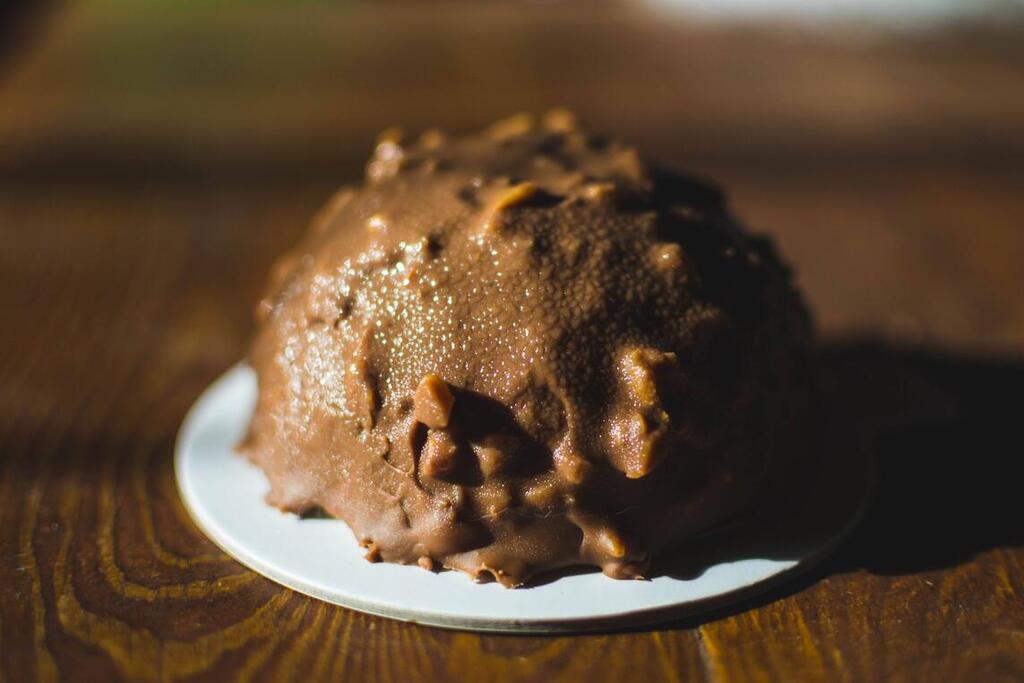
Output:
x,y
537,626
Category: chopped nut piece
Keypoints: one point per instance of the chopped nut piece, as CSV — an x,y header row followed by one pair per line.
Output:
x,y
491,460
560,120
372,552
493,500
540,495
388,156
638,438
493,452
518,124
609,541
361,385
638,367
433,402
637,376
600,191
432,138
517,194
458,498
439,455
509,197
573,468
668,257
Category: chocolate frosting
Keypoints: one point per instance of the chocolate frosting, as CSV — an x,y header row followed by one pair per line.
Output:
x,y
525,349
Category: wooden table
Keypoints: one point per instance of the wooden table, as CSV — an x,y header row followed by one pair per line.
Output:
x,y
154,160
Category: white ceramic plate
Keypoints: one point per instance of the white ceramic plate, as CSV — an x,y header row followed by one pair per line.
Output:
x,y
320,557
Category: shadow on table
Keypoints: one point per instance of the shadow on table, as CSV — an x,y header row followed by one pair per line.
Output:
x,y
945,435
948,442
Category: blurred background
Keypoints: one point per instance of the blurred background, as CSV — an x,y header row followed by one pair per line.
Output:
x,y
162,154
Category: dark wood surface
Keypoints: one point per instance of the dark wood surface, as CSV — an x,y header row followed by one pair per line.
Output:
x,y
154,160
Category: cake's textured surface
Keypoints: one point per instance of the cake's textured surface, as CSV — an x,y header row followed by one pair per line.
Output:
x,y
522,350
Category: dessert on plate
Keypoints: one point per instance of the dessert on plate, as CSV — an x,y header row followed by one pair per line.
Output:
x,y
526,349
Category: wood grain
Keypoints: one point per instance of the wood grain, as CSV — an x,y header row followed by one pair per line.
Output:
x,y
154,163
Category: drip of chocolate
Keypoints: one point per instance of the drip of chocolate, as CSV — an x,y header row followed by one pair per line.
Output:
x,y
525,349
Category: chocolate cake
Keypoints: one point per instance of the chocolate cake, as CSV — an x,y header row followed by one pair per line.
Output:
x,y
526,349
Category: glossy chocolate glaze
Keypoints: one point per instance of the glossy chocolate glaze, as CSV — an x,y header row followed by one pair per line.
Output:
x,y
522,350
